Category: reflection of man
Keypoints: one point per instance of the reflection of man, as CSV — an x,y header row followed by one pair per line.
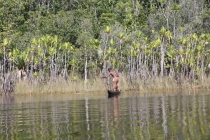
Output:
x,y
115,76
116,107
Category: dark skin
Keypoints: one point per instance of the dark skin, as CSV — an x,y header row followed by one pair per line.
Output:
x,y
115,79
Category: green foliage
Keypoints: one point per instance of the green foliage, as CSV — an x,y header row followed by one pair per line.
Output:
x,y
20,63
60,34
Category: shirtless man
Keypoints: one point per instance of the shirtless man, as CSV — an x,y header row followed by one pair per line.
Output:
x,y
115,76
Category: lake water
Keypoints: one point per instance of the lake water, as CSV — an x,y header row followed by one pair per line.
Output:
x,y
177,116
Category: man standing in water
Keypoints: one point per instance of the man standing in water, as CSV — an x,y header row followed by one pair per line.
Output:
x,y
115,77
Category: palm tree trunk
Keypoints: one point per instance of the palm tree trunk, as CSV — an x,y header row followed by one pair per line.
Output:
x,y
162,60
202,69
85,68
4,72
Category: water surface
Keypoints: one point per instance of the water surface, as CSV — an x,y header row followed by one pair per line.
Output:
x,y
176,116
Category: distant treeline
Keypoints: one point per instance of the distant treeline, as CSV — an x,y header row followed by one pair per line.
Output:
x,y
78,39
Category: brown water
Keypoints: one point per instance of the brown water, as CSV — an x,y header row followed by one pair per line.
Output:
x,y
94,116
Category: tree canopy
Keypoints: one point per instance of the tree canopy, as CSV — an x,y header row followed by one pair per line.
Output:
x,y
140,37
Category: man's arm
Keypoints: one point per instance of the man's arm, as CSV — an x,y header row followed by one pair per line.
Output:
x,y
105,76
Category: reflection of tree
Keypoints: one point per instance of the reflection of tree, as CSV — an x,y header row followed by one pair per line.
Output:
x,y
133,114
156,112
106,120
136,117
87,115
164,115
7,120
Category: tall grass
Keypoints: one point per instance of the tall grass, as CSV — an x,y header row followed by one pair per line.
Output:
x,y
98,85
60,86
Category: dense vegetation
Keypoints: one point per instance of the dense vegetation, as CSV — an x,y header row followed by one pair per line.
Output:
x,y
42,40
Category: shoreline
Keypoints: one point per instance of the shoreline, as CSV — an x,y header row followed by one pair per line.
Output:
x,y
97,85
56,97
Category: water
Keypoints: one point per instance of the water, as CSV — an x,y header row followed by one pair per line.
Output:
x,y
94,117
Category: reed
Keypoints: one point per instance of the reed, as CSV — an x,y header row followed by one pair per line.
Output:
x,y
60,86
98,85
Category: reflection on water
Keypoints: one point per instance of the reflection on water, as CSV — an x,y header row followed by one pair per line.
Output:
x,y
124,117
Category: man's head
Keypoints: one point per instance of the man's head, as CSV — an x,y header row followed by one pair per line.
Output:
x,y
109,69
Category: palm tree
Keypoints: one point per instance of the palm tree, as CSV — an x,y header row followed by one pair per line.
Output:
x,y
67,48
95,45
165,38
171,53
6,82
175,8
106,37
6,43
73,62
121,36
201,51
